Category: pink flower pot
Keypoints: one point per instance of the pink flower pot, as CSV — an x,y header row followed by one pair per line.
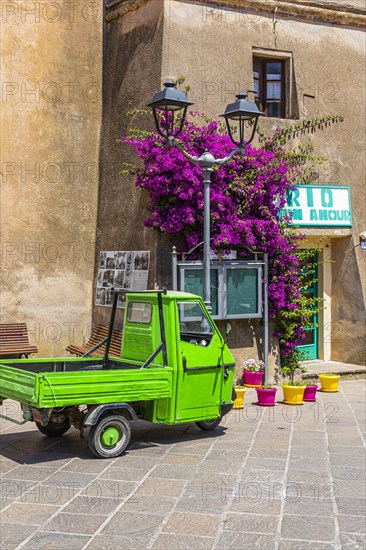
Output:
x,y
253,379
266,397
310,393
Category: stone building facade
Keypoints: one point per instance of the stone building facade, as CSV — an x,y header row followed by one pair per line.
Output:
x,y
216,46
50,125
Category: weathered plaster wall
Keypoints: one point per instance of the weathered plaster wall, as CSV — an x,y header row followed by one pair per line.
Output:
x,y
212,47
51,116
132,72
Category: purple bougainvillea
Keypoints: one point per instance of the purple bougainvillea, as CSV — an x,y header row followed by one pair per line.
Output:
x,y
244,211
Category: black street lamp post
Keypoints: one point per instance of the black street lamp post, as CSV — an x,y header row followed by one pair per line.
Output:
x,y
169,102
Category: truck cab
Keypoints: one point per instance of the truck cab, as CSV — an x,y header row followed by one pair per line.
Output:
x,y
201,364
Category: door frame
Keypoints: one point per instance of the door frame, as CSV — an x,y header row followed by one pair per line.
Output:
x,y
313,349
324,244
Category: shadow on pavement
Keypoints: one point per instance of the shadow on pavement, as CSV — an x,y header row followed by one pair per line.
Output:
x,y
32,447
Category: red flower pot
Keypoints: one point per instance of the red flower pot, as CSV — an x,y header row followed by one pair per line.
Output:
x,y
253,379
266,397
310,393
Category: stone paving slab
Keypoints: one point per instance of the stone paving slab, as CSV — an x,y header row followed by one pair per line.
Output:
x,y
289,478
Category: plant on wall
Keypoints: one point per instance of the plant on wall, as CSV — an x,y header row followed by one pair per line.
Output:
x,y
247,196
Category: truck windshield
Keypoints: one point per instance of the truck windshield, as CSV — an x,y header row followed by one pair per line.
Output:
x,y
194,325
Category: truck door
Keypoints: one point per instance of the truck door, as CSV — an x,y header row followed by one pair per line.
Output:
x,y
200,365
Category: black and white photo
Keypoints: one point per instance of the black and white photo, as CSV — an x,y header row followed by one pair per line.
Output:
x,y
102,260
100,297
111,258
121,269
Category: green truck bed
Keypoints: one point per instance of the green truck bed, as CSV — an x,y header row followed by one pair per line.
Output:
x,y
67,382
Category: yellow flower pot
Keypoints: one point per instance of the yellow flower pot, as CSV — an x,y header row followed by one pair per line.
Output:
x,y
293,395
239,401
329,382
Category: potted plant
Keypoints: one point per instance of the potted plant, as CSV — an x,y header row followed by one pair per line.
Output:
x,y
293,392
253,371
329,381
240,393
266,395
310,392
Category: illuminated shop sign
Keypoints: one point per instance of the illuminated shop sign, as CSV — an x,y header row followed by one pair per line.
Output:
x,y
320,206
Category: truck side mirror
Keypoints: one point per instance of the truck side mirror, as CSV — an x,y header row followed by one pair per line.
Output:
x,y
228,330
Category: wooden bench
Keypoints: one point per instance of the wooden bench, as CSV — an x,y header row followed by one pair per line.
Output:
x,y
98,334
14,341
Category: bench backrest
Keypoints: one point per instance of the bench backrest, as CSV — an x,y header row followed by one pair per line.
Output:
x,y
16,332
99,333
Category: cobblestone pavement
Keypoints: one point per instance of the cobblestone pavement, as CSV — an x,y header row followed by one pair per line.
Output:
x,y
281,478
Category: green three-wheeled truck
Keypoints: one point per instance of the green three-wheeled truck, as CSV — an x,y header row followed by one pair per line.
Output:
x,y
174,367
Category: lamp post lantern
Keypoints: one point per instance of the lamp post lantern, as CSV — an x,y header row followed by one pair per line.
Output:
x,y
363,240
237,115
168,102
241,112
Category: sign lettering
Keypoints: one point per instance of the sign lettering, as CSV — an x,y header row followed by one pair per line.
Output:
x,y
319,205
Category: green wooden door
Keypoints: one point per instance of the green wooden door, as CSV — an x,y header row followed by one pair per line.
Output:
x,y
309,345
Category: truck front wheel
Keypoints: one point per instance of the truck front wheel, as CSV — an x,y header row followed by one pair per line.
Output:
x,y
110,436
209,424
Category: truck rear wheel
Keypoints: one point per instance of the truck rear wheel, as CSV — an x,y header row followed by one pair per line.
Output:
x,y
209,424
110,436
54,429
